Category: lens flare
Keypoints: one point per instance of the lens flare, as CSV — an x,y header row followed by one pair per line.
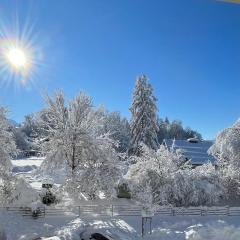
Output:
x,y
20,55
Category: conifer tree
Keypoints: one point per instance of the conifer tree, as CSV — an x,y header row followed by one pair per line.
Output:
x,y
144,125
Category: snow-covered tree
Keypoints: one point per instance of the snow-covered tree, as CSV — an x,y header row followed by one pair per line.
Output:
x,y
71,128
226,150
30,126
97,176
144,117
7,143
74,132
227,146
12,189
174,130
118,128
21,140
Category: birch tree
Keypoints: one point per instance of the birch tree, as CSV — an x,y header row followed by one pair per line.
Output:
x,y
74,130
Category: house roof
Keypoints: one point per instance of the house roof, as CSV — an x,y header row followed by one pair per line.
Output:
x,y
197,152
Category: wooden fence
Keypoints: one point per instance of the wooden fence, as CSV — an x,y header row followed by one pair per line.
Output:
x,y
126,210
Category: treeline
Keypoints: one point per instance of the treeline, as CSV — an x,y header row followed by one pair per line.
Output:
x,y
29,134
175,129
85,143
144,127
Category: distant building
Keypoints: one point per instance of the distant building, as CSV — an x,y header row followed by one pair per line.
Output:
x,y
194,150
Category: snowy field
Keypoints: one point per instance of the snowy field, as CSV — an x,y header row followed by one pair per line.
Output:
x,y
26,164
68,226
31,161
166,228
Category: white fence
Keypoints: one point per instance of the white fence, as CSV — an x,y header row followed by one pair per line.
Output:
x,y
126,210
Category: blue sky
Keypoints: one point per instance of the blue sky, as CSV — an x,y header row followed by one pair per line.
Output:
x,y
189,49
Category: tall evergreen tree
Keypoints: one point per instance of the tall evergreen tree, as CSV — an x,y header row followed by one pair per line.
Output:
x,y
144,125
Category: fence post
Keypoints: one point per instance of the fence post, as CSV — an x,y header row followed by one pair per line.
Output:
x,y
173,212
44,211
112,210
228,210
150,225
79,211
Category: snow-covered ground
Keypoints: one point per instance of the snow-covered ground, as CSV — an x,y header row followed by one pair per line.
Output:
x,y
31,161
26,167
68,226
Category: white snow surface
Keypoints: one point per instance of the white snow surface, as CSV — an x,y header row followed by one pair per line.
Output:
x,y
37,161
68,226
26,164
25,167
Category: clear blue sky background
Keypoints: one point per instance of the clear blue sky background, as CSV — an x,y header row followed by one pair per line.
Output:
x,y
190,49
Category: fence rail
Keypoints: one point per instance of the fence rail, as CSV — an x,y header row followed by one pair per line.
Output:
x,y
126,210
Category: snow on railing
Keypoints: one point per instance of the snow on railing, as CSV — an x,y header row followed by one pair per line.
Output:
x,y
95,210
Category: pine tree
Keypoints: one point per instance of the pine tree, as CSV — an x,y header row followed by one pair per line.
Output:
x,y
144,125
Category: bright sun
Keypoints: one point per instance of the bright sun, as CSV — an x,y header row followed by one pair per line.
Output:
x,y
20,55
17,58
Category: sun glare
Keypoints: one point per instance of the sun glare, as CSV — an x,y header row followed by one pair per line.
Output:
x,y
21,57
17,58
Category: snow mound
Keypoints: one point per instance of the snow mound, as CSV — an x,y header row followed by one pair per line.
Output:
x,y
115,229
214,232
217,230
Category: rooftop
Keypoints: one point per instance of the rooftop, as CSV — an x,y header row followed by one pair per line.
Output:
x,y
196,151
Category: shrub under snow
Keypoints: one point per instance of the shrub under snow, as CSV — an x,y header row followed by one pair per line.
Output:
x,y
161,177
16,191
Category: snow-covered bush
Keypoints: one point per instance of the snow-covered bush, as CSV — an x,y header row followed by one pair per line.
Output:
x,y
162,177
16,191
230,176
150,178
48,197
193,187
100,175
